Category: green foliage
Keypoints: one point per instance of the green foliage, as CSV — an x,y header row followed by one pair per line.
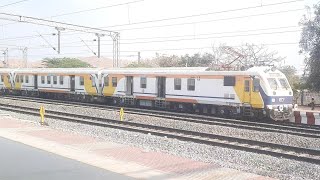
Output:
x,y
139,65
64,63
310,45
197,60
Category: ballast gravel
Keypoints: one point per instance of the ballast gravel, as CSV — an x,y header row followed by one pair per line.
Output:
x,y
271,137
245,161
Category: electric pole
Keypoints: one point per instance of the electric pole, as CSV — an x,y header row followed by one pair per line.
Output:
x,y
98,37
59,35
139,57
25,56
5,57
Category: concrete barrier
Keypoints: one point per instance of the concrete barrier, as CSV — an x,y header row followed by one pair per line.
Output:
x,y
303,117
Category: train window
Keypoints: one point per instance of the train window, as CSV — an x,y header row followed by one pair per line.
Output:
x,y
246,86
21,78
27,78
17,78
273,83
42,80
61,80
114,81
256,85
191,84
177,84
106,81
284,83
48,79
229,81
55,79
143,82
81,81
93,81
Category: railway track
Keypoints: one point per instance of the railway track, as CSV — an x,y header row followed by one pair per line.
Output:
x,y
277,150
303,131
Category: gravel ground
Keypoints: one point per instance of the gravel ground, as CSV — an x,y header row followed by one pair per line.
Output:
x,y
277,138
245,161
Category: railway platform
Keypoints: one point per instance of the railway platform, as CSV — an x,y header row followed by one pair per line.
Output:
x,y
304,115
117,158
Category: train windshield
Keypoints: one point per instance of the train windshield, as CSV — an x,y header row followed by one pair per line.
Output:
x,y
283,82
273,83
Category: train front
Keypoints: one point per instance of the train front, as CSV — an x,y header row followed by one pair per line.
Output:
x,y
277,94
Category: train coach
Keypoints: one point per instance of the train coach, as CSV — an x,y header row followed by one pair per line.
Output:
x,y
73,84
260,92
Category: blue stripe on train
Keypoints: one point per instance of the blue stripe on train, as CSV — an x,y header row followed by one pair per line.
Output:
x,y
268,99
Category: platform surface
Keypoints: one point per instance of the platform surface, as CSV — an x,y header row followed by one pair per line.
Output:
x,y
118,158
308,109
20,161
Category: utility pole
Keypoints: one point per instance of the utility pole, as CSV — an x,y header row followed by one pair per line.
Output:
x,y
25,56
139,57
98,37
5,57
59,35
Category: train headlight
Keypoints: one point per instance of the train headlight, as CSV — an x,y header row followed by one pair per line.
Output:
x,y
273,100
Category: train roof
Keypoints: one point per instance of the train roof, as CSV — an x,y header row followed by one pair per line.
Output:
x,y
56,70
143,71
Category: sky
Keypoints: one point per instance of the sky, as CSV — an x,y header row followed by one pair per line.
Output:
x,y
155,26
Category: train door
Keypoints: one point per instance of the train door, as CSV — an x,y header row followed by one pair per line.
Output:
x,y
247,91
161,87
35,81
129,85
72,83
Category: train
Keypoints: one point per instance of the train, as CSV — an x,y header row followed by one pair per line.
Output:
x,y
259,92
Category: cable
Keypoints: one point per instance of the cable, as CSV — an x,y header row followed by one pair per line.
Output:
x,y
85,10
94,9
199,38
206,21
10,4
173,49
227,32
198,22
210,13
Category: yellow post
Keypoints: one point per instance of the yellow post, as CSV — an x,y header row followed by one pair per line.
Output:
x,y
121,114
42,112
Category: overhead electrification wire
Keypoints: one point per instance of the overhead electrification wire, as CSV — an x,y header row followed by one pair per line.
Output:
x,y
209,13
175,40
82,11
95,9
207,21
197,35
195,22
10,4
168,49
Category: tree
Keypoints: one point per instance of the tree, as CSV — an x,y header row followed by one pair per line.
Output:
x,y
143,64
64,63
310,46
197,60
245,56
168,61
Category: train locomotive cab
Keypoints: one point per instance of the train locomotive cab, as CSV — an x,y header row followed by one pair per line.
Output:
x,y
276,93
